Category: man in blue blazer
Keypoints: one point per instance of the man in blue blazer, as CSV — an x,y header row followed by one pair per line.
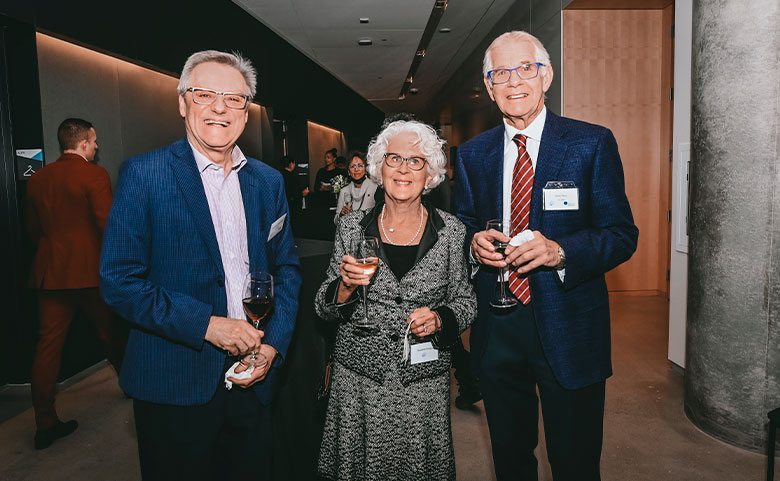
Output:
x,y
188,223
562,181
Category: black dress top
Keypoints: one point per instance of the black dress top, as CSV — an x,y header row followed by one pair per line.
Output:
x,y
400,259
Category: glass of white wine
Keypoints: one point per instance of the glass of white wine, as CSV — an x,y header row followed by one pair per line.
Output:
x,y
366,251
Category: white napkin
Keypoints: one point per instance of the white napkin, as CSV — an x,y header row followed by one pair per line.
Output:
x,y
521,238
237,375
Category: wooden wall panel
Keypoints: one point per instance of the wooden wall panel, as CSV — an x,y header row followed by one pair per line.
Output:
x,y
615,74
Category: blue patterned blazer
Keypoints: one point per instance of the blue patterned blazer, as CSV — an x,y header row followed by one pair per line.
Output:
x,y
572,316
161,269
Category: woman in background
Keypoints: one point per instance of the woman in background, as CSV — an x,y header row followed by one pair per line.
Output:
x,y
359,193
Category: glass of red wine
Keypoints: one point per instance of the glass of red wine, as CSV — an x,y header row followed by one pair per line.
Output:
x,y
365,250
503,297
258,306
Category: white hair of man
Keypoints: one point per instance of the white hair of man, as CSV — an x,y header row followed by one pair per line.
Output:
x,y
430,144
539,51
235,60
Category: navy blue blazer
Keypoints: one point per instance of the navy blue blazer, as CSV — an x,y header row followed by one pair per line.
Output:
x,y
572,316
161,269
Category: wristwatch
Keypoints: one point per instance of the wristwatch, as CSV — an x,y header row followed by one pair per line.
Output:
x,y
562,255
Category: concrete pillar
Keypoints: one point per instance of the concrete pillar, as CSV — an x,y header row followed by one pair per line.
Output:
x,y
732,375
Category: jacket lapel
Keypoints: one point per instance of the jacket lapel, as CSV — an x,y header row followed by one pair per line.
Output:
x,y
250,193
493,161
552,152
186,172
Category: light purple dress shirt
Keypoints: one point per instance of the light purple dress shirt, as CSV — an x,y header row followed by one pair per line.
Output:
x,y
223,193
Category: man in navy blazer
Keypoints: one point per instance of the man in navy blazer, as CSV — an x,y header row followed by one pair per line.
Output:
x,y
188,223
556,339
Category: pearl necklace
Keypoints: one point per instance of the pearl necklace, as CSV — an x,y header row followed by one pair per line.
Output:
x,y
382,225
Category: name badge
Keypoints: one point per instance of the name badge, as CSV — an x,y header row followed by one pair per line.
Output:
x,y
561,195
276,227
423,352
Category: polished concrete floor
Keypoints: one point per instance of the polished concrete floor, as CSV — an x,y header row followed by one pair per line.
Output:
x,y
646,434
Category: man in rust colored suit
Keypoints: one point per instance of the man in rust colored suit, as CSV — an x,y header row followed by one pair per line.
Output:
x,y
67,207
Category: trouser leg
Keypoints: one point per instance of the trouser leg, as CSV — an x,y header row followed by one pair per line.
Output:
x,y
111,329
509,393
572,419
56,309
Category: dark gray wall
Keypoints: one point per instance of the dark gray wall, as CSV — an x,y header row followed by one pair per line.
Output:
x,y
134,109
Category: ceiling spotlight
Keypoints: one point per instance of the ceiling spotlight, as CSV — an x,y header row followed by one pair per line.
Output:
x,y
363,19
364,42
445,30
414,90
401,97
410,79
420,53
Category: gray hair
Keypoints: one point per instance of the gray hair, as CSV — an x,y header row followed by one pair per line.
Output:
x,y
430,144
234,59
539,51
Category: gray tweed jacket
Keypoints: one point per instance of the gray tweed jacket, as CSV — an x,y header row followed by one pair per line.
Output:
x,y
438,280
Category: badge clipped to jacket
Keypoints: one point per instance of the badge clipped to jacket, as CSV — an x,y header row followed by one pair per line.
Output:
x,y
561,195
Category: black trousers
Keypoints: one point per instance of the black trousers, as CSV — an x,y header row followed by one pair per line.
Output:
x,y
512,368
227,438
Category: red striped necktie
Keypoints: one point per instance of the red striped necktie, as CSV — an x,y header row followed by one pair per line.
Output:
x,y
522,186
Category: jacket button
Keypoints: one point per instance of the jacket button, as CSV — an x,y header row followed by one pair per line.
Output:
x,y
221,282
398,300
393,337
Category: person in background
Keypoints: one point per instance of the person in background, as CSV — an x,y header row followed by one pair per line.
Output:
x,y
293,188
67,206
388,416
359,193
557,186
189,223
323,181
341,163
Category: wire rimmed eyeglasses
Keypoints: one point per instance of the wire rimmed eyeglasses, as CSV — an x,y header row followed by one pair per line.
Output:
x,y
233,100
414,163
525,71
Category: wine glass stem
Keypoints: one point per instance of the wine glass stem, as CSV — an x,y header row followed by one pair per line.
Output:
x,y
503,283
365,304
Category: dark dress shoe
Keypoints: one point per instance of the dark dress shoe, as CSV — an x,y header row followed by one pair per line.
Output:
x,y
468,394
44,437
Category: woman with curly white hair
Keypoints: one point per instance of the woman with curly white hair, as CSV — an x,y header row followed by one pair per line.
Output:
x,y
389,413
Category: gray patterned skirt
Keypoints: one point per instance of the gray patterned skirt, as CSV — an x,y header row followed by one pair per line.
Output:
x,y
387,432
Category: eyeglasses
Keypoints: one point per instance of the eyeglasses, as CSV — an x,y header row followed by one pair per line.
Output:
x,y
233,100
525,71
357,167
395,161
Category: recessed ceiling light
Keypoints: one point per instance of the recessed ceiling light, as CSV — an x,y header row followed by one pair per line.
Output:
x,y
445,30
364,42
414,90
363,19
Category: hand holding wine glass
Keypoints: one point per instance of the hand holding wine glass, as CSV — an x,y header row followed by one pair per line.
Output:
x,y
258,306
365,253
503,297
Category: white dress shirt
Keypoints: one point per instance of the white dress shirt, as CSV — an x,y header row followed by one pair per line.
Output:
x,y
534,138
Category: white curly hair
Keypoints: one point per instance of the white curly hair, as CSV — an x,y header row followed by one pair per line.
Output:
x,y
430,144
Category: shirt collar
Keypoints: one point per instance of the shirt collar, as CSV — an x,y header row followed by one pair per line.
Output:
x,y
203,162
533,131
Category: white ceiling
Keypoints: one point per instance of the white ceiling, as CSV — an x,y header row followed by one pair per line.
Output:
x,y
327,31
